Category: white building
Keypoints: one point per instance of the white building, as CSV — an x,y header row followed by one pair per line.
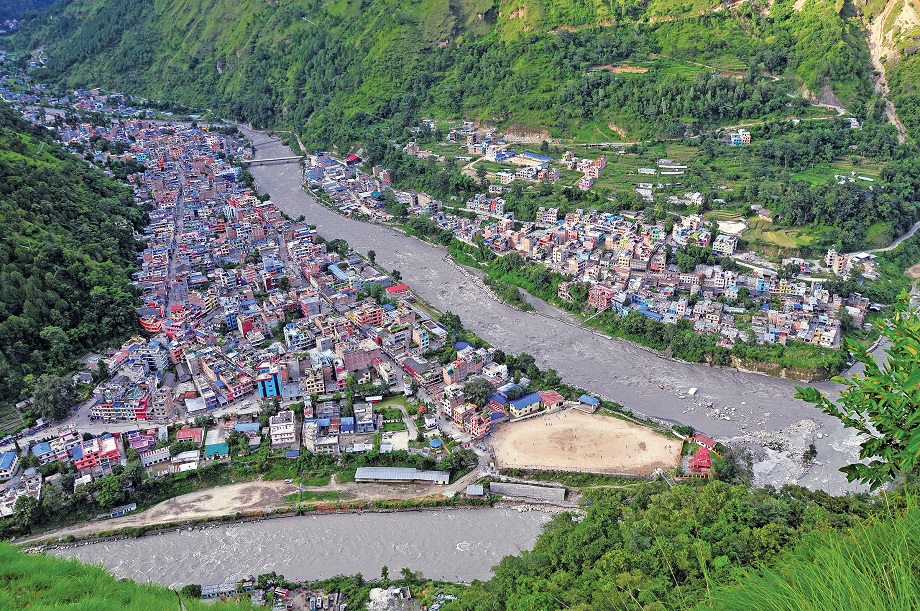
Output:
x,y
281,428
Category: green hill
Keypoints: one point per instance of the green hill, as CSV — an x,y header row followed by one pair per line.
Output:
x,y
38,582
650,547
874,566
338,70
66,255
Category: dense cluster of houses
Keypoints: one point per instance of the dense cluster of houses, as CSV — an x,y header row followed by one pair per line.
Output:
x,y
624,260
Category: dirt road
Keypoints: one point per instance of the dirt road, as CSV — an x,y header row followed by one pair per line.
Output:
x,y
255,497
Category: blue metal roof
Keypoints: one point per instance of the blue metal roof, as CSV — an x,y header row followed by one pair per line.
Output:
x,y
498,398
247,427
40,449
526,401
292,454
588,400
6,460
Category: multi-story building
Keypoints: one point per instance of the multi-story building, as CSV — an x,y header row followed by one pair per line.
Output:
x,y
102,452
162,408
9,464
281,428
269,384
316,442
153,356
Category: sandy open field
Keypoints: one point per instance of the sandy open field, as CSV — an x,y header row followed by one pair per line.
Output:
x,y
575,441
914,272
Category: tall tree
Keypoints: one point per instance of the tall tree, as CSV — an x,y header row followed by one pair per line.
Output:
x,y
478,391
882,403
54,396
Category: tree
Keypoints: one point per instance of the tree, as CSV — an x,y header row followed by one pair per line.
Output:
x,y
397,275
351,389
284,283
478,391
182,446
25,513
372,256
102,372
109,492
54,396
451,322
133,473
191,591
67,481
881,402
384,572
733,466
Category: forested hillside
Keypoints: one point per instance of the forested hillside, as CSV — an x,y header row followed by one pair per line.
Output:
x,y
340,70
66,255
651,547
17,9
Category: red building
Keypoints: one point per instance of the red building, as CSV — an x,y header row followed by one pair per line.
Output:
x,y
96,452
704,441
187,433
701,462
399,289
480,425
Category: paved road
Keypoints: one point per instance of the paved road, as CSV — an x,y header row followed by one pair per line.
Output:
x,y
751,407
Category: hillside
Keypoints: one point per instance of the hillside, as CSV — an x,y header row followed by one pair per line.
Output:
x,y
650,547
873,566
40,582
337,70
66,254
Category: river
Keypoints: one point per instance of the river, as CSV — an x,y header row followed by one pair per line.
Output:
x,y
748,407
455,545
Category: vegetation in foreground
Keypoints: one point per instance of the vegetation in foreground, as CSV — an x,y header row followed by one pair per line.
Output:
x,y
871,567
38,582
654,547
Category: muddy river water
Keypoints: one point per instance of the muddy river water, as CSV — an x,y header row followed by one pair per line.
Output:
x,y
457,545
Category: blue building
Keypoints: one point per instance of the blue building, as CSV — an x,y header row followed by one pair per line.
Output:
x,y
9,464
269,385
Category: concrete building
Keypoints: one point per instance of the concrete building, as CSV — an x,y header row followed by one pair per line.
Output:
x,y
281,428
9,464
399,475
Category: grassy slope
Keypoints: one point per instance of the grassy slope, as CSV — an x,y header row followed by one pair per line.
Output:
x,y
874,566
40,582
260,59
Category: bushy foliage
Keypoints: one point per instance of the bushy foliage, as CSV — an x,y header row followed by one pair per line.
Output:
x,y
649,546
66,254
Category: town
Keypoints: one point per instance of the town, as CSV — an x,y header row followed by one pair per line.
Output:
x,y
626,262
261,333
